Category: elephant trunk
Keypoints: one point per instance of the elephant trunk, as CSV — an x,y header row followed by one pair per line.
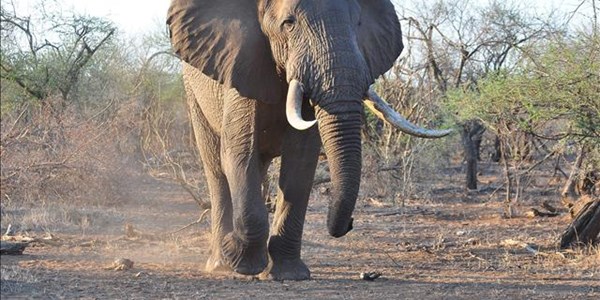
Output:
x,y
339,126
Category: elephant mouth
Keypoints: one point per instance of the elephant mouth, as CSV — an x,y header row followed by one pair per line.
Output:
x,y
371,100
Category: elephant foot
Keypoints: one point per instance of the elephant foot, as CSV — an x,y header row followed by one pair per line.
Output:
x,y
243,258
216,264
289,269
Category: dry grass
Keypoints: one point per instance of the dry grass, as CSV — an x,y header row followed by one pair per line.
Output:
x,y
58,218
15,278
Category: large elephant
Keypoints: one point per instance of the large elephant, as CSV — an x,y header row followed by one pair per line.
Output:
x,y
240,60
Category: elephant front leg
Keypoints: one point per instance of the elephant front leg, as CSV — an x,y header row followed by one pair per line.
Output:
x,y
209,145
244,248
298,163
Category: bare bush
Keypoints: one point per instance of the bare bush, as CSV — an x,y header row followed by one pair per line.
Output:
x,y
169,151
395,163
58,157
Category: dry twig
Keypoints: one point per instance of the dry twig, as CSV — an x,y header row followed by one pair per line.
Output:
x,y
191,224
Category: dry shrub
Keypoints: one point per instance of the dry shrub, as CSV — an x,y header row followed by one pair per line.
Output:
x,y
397,166
53,153
169,150
411,171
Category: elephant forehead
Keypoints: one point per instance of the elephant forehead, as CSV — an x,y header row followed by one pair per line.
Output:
x,y
323,6
285,7
314,8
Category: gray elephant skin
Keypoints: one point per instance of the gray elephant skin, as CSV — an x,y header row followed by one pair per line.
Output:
x,y
258,75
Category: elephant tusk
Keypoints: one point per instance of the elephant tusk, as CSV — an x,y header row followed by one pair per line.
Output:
x,y
293,106
385,112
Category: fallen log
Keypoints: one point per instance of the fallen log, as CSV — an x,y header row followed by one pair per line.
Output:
x,y
585,227
12,248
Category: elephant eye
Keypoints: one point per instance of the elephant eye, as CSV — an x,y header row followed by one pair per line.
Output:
x,y
288,23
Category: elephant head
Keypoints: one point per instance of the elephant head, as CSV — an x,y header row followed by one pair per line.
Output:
x,y
325,54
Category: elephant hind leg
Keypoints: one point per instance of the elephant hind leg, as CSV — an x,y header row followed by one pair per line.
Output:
x,y
208,144
298,163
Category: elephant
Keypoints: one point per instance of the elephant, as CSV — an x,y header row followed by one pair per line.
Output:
x,y
269,78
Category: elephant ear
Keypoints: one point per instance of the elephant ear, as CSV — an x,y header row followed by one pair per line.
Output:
x,y
379,35
223,39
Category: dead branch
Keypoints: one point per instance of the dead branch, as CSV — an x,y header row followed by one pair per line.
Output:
x,y
177,171
19,239
206,211
535,165
549,207
569,192
532,213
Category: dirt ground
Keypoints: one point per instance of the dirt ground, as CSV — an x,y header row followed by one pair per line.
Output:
x,y
453,245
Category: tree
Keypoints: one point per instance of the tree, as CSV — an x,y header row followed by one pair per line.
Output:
x,y
461,44
552,96
47,54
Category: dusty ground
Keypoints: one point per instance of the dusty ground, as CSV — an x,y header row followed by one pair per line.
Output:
x,y
450,246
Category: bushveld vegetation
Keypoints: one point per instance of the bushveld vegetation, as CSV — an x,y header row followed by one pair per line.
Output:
x,y
82,103
85,107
